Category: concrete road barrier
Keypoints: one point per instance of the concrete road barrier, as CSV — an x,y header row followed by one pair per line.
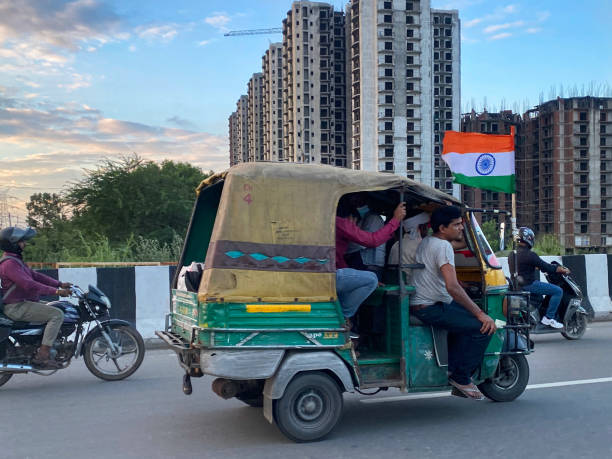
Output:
x,y
141,294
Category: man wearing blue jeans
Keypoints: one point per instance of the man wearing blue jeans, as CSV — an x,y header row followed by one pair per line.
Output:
x,y
527,262
439,300
353,285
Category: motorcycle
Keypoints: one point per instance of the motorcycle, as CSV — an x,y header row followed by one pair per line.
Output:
x,y
111,348
571,312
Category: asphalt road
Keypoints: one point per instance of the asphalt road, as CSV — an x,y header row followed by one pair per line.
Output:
x,y
73,414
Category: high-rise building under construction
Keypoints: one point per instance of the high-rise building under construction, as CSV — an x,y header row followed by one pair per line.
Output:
x,y
371,89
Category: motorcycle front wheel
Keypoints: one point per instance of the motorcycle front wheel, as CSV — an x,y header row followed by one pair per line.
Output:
x,y
111,365
574,325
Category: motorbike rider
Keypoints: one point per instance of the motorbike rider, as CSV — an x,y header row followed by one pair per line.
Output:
x,y
527,262
22,303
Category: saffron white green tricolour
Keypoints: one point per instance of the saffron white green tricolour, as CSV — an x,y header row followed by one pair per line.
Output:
x,y
481,160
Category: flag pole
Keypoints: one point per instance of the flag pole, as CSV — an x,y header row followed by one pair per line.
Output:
x,y
514,273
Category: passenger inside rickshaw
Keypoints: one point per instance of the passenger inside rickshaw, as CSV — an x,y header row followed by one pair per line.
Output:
x,y
376,321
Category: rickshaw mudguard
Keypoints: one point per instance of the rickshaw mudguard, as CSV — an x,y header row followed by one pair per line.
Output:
x,y
299,362
241,363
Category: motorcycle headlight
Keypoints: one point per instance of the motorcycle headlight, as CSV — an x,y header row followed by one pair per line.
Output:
x,y
104,299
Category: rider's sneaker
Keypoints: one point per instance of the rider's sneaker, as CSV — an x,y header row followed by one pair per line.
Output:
x,y
551,322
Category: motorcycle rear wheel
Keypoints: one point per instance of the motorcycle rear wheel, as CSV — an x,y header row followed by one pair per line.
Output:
x,y
4,378
102,364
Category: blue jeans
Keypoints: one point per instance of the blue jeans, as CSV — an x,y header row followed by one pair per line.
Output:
x,y
466,345
353,287
555,292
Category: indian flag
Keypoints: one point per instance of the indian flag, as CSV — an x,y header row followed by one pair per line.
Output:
x,y
481,160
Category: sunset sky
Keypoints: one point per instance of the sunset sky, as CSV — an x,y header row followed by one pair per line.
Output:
x,y
86,79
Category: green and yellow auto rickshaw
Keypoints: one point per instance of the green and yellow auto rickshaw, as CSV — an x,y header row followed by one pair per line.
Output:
x,y
266,321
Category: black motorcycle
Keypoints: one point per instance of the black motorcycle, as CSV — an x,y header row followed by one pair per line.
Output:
x,y
571,312
112,349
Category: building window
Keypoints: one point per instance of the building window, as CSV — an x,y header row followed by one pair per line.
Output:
x,y
388,166
388,59
410,166
409,19
388,126
388,72
583,116
583,153
387,18
388,152
388,139
584,204
410,33
410,113
584,229
410,152
388,85
388,32
388,45
388,112
388,99
602,141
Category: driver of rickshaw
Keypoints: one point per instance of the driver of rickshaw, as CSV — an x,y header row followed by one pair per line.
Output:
x,y
353,285
439,300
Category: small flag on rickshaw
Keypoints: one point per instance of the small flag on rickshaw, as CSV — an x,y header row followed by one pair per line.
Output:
x,y
481,160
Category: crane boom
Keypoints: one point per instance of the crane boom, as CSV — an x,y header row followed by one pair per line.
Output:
x,y
235,33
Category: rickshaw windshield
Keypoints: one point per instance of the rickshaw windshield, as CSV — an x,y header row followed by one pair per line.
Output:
x,y
483,245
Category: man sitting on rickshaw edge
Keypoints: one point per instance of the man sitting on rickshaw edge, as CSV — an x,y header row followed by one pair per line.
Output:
x,y
439,300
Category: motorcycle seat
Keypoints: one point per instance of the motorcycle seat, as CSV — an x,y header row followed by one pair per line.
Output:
x,y
7,322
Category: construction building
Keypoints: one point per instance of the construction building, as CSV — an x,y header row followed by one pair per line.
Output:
x,y
272,99
490,123
371,89
564,166
314,84
255,118
238,132
404,87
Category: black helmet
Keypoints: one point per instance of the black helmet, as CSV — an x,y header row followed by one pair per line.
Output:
x,y
527,236
9,238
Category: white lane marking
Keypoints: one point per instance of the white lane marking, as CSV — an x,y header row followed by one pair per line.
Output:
x,y
447,394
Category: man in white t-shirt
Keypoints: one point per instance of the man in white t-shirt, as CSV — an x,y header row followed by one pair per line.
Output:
x,y
440,301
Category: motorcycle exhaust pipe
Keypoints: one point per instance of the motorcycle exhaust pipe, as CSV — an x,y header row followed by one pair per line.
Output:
x,y
15,368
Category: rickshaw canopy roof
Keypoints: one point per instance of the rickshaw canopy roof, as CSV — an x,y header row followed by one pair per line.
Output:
x,y
274,234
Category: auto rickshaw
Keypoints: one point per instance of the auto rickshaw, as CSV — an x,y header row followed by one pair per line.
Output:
x,y
266,321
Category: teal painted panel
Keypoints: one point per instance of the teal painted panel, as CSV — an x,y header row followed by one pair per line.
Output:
x,y
422,364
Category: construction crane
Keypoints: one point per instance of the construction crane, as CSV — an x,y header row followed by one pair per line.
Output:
x,y
236,33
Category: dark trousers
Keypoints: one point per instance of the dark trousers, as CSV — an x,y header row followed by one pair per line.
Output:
x,y
466,345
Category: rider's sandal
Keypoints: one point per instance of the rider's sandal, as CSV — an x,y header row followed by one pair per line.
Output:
x,y
457,393
469,392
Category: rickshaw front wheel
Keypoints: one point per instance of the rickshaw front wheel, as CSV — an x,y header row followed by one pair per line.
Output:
x,y
509,381
310,407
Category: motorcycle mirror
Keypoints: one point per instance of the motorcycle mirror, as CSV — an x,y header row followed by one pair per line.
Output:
x,y
502,233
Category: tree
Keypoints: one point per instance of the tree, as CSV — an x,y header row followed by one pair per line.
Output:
x,y
132,196
44,209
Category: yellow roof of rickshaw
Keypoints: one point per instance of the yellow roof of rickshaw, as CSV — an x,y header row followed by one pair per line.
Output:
x,y
274,234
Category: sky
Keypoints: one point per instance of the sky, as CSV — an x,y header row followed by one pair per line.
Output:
x,y
84,80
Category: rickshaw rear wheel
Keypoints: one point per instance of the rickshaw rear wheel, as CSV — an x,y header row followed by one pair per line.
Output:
x,y
310,407
510,380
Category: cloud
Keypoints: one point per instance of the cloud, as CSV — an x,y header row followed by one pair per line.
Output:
x,y
62,24
181,122
218,21
499,36
510,9
164,33
78,81
204,42
46,148
472,22
533,30
132,48
543,16
508,25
